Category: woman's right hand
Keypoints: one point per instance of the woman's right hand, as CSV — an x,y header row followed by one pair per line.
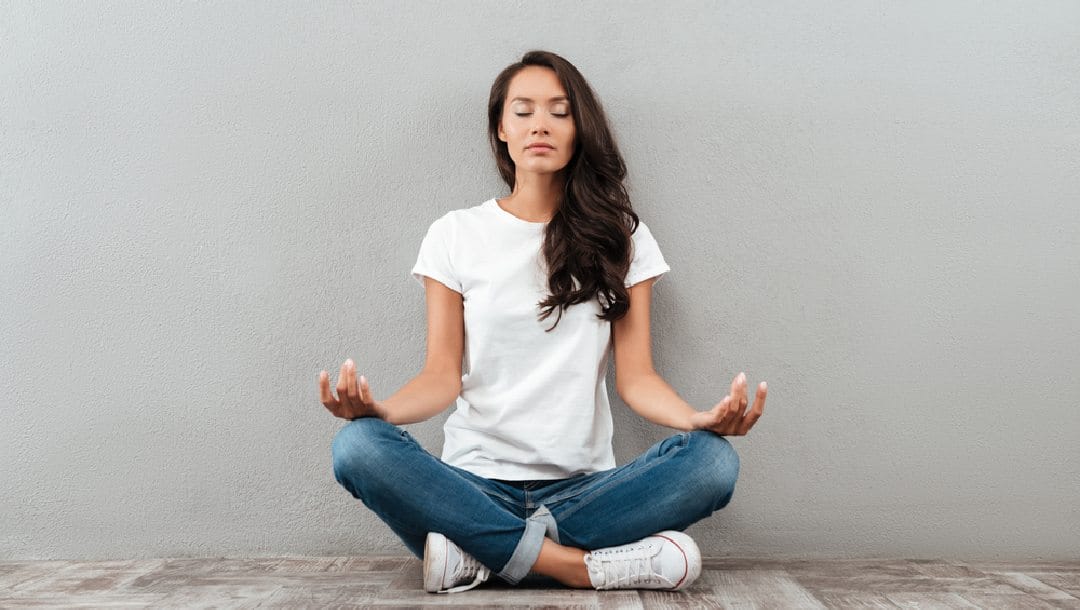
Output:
x,y
354,397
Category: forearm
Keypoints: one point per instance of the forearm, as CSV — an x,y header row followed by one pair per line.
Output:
x,y
423,397
652,398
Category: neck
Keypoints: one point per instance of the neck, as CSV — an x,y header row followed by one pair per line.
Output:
x,y
536,197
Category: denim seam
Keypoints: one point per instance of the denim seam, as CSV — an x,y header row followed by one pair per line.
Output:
x,y
685,440
408,438
561,497
499,497
566,495
467,478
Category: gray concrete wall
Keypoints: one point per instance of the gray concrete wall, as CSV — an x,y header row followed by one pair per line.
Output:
x,y
872,206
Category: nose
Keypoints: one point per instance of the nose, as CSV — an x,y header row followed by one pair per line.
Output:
x,y
540,126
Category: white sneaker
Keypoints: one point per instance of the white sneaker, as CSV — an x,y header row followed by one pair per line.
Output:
x,y
448,569
668,560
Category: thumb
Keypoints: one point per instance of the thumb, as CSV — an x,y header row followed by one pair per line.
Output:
x,y
720,406
365,391
721,409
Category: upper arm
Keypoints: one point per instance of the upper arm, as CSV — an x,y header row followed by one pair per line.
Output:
x,y
445,329
632,336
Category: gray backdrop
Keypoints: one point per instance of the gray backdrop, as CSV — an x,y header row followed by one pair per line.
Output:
x,y
871,206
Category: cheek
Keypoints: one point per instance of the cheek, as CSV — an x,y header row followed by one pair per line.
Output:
x,y
518,134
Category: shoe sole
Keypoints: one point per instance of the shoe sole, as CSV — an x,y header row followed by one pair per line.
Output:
x,y
691,553
434,562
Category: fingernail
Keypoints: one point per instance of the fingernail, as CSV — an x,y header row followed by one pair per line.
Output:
x,y
363,379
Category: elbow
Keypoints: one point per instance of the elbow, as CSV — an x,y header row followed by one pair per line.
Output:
x,y
450,380
446,376
620,391
624,384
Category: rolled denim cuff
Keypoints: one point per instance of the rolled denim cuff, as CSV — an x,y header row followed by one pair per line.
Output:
x,y
538,526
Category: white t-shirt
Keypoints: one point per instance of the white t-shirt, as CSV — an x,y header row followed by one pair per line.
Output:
x,y
533,405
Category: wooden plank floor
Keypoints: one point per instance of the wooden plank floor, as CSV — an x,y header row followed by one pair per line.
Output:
x,y
351,582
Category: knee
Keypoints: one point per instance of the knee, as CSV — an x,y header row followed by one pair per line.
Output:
x,y
361,445
718,466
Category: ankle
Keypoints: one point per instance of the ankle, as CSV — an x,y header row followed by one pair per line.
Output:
x,y
576,574
565,564
578,571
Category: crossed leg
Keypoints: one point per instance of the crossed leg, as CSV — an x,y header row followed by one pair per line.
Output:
x,y
675,483
678,481
414,493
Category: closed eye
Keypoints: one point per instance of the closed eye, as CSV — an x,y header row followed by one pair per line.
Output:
x,y
553,114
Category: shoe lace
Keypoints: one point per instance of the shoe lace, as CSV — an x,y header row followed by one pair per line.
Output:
x,y
470,567
628,567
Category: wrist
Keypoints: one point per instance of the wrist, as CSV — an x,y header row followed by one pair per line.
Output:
x,y
381,411
691,422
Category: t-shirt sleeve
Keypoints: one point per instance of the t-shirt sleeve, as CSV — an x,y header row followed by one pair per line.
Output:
x,y
434,259
647,259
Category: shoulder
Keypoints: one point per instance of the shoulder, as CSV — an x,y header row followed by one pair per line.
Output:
x,y
647,258
643,231
452,220
642,240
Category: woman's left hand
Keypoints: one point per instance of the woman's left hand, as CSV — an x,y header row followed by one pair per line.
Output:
x,y
727,418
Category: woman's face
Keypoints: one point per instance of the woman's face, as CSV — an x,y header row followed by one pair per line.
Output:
x,y
537,110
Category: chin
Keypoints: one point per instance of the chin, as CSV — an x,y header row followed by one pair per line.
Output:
x,y
549,165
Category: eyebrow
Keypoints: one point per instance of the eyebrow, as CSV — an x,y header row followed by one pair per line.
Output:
x,y
551,99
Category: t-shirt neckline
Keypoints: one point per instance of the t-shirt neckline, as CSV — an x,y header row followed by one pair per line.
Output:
x,y
498,209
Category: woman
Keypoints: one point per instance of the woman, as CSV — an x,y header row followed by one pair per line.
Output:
x,y
527,482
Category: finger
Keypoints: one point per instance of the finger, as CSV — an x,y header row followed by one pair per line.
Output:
x,y
343,383
354,393
736,408
325,395
725,413
739,395
365,391
737,391
332,405
759,397
755,412
739,400
717,412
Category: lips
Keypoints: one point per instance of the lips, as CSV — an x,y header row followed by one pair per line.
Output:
x,y
540,146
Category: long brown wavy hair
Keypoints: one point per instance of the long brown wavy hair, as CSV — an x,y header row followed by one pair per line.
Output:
x,y
587,243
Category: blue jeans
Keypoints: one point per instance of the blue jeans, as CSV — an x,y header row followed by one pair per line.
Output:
x,y
676,482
